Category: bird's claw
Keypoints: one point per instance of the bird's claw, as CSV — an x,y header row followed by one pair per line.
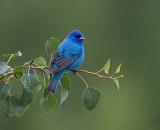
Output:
x,y
74,72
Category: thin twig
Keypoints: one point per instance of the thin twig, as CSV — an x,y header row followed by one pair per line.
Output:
x,y
31,62
40,68
60,84
101,76
9,73
99,71
33,67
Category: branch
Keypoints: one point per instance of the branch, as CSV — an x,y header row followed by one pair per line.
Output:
x,y
39,68
9,73
30,63
85,71
33,67
97,73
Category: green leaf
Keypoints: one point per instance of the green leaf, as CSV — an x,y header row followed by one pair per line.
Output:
x,y
26,98
10,55
47,48
12,105
40,83
40,79
65,74
7,115
65,82
47,74
22,111
19,54
91,97
19,69
38,87
30,81
118,68
18,72
40,62
45,92
6,77
47,103
65,87
3,67
64,95
52,45
106,67
28,70
13,55
117,83
4,89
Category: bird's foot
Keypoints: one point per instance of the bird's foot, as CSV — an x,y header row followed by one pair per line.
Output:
x,y
74,72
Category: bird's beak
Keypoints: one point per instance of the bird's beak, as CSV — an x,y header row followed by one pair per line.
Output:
x,y
82,37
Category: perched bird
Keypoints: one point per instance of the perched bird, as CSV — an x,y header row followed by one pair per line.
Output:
x,y
69,55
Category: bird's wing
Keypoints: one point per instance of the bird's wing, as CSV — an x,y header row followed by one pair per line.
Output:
x,y
64,59
51,65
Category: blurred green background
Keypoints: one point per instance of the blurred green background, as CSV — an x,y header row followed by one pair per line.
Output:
x,y
126,31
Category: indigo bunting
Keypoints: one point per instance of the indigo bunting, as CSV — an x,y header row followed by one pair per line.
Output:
x,y
69,55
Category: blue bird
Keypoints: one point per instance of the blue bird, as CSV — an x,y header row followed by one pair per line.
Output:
x,y
69,55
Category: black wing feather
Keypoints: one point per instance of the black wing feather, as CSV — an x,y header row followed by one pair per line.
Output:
x,y
61,61
51,65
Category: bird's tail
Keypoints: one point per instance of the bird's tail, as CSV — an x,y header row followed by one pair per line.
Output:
x,y
53,84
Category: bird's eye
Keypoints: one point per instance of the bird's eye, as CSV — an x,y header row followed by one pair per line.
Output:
x,y
77,36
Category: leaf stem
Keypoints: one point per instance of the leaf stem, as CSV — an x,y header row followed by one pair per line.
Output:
x,y
60,84
9,59
83,79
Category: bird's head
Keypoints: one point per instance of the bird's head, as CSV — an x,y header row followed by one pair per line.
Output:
x,y
76,36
